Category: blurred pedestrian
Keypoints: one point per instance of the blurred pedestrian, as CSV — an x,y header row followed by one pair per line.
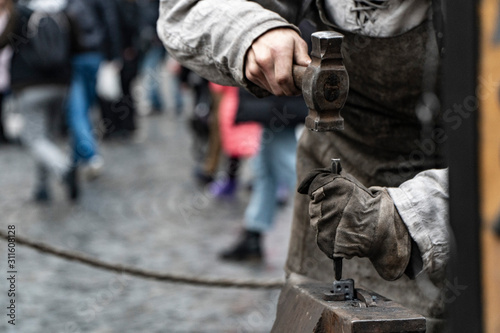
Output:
x,y
97,37
5,58
154,55
204,125
120,115
237,140
273,167
40,74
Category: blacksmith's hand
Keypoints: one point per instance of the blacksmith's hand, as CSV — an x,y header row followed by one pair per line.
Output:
x,y
352,220
270,59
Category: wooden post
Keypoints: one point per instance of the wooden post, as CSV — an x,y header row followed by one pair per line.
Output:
x,y
459,97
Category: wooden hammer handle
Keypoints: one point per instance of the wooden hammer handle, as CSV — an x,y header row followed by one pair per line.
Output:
x,y
298,73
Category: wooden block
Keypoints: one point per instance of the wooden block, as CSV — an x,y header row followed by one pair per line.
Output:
x,y
301,308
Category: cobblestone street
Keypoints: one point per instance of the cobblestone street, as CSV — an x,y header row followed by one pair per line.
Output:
x,y
146,211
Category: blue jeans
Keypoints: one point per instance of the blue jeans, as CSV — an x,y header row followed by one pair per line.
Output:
x,y
273,165
81,97
150,63
152,59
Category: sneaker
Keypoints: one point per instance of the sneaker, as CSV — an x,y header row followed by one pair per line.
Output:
x,y
223,188
247,248
93,168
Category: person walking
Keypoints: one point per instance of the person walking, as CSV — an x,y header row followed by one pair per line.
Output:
x,y
5,58
238,141
120,115
39,87
96,37
274,166
154,55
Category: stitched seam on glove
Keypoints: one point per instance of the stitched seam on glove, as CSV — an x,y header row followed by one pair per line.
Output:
x,y
329,181
314,219
338,254
360,186
376,229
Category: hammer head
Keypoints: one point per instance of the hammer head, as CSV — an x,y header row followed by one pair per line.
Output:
x,y
325,83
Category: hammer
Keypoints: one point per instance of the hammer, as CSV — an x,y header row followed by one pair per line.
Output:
x,y
324,83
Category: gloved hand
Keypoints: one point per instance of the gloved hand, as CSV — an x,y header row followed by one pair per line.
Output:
x,y
352,220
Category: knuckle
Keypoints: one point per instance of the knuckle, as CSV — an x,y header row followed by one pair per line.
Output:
x,y
300,42
249,76
283,79
263,59
252,71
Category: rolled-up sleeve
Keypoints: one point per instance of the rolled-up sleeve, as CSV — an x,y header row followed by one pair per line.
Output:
x,y
422,203
211,37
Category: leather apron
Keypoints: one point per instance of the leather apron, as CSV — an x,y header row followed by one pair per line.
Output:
x,y
380,145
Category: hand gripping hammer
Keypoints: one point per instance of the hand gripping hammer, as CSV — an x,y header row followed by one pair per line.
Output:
x,y
324,83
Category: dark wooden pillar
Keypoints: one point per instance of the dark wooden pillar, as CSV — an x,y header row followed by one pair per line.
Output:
x,y
460,76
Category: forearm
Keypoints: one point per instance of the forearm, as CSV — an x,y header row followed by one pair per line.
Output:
x,y
422,203
212,37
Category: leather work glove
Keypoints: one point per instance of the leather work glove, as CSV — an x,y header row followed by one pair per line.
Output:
x,y
351,220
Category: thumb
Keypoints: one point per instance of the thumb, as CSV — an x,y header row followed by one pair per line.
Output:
x,y
305,184
300,52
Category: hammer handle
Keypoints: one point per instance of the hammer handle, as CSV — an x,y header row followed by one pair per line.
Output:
x,y
298,73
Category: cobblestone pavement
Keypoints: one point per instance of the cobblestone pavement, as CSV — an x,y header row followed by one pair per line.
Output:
x,y
145,211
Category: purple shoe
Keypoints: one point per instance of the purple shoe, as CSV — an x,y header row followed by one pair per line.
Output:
x,y
223,188
282,195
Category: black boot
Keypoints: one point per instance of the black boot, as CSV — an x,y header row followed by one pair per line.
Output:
x,y
71,182
248,248
42,193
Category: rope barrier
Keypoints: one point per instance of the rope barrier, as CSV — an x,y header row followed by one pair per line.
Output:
x,y
143,273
